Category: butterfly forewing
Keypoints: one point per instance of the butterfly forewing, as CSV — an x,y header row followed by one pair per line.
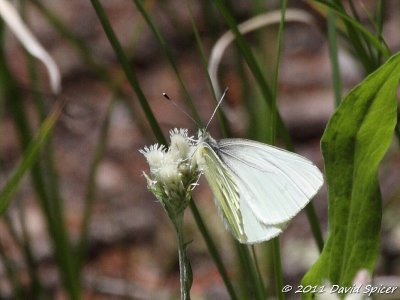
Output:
x,y
239,216
275,184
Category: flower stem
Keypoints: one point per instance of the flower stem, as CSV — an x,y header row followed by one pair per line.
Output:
x,y
185,270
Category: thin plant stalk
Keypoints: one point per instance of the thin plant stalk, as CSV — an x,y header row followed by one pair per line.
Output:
x,y
212,249
276,257
164,46
220,114
185,270
257,267
379,24
24,244
254,278
11,274
91,185
148,112
243,285
37,288
315,226
277,269
255,69
55,221
51,175
80,45
56,226
333,56
132,78
114,81
355,30
267,95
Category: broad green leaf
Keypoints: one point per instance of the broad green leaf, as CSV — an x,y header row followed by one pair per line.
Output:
x,y
353,144
29,158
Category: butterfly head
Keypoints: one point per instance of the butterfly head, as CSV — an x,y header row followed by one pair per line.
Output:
x,y
205,138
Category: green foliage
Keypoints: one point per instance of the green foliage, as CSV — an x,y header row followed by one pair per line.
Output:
x,y
353,144
30,157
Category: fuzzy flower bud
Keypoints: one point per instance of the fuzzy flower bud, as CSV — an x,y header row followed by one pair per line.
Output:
x,y
180,143
154,155
172,176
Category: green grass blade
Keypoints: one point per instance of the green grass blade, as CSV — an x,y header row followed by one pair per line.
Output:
x,y
379,23
220,114
11,274
114,81
245,51
268,98
333,56
255,69
153,122
253,279
123,60
275,80
24,244
355,28
167,51
37,290
91,185
354,142
315,225
277,269
276,257
362,46
30,157
212,249
257,269
56,226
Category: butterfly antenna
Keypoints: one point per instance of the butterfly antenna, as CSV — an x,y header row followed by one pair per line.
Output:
x,y
216,108
180,108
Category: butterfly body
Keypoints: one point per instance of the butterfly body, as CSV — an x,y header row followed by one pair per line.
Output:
x,y
258,188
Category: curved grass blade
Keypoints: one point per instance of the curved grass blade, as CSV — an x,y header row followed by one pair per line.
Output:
x,y
353,145
12,18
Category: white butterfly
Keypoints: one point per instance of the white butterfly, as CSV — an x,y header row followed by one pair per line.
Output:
x,y
258,188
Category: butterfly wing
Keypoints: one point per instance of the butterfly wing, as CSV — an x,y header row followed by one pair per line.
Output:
x,y
237,214
274,183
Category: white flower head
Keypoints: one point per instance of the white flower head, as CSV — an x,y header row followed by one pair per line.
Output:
x,y
172,177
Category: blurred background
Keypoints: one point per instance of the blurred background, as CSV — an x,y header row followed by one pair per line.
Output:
x,y
92,168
